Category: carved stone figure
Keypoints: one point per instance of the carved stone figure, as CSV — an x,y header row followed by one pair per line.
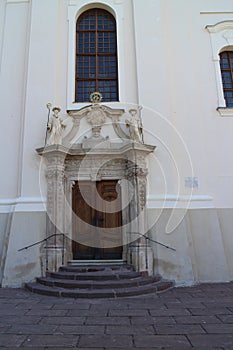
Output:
x,y
135,125
55,127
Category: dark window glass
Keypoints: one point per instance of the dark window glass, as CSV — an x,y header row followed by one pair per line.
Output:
x,y
226,65
96,56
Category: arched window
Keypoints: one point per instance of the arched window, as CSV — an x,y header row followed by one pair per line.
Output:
x,y
96,56
226,65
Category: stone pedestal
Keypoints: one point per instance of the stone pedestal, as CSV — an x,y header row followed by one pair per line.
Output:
x,y
142,258
53,254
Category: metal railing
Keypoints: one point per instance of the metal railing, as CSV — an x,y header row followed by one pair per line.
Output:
x,y
134,244
152,240
52,245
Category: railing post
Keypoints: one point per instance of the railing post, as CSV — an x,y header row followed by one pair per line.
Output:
x,y
55,248
63,248
46,255
146,238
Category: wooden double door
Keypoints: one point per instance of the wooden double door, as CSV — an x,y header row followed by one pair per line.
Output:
x,y
97,220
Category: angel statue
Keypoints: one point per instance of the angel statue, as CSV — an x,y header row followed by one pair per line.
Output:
x,y
55,127
135,125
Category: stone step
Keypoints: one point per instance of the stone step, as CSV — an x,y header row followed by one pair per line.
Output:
x,y
91,284
96,262
98,281
96,268
156,287
95,276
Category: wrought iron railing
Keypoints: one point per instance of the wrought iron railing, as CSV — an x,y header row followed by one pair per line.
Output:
x,y
135,243
54,246
152,240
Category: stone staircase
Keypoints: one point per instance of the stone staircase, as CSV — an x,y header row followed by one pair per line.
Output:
x,y
98,281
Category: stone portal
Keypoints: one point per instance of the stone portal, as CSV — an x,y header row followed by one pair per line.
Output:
x,y
96,191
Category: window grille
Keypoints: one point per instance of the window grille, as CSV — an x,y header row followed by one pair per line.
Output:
x,y
226,65
96,56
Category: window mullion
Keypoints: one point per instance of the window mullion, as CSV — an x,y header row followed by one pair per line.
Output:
x,y
230,68
96,52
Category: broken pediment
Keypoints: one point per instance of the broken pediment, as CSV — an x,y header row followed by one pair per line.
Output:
x,y
96,116
97,123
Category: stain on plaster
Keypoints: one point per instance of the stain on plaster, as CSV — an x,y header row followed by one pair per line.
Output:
x,y
167,266
24,270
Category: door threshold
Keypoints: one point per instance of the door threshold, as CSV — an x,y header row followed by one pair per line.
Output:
x,y
96,262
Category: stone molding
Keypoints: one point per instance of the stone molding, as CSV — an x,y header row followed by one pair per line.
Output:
x,y
225,112
171,201
221,35
220,26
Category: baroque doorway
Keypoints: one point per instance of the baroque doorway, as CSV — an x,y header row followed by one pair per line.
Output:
x,y
96,210
97,189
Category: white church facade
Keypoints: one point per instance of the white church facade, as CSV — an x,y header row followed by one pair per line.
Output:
x,y
116,137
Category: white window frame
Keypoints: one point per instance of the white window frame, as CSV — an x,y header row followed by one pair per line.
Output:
x,y
221,35
74,11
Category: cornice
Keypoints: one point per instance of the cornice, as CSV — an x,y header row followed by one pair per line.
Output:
x,y
218,27
8,2
119,149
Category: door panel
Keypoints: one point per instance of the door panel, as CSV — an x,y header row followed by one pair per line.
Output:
x,y
81,228
98,209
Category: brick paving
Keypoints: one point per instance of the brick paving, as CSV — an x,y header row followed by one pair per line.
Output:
x,y
199,317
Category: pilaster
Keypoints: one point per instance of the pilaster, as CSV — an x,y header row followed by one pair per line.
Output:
x,y
55,246
140,252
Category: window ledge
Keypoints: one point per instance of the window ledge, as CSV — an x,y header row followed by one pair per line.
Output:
x,y
225,111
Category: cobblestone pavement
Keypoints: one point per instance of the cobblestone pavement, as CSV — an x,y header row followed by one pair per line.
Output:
x,y
198,317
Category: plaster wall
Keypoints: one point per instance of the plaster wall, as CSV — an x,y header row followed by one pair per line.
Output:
x,y
13,47
178,88
22,266
179,103
202,246
165,65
